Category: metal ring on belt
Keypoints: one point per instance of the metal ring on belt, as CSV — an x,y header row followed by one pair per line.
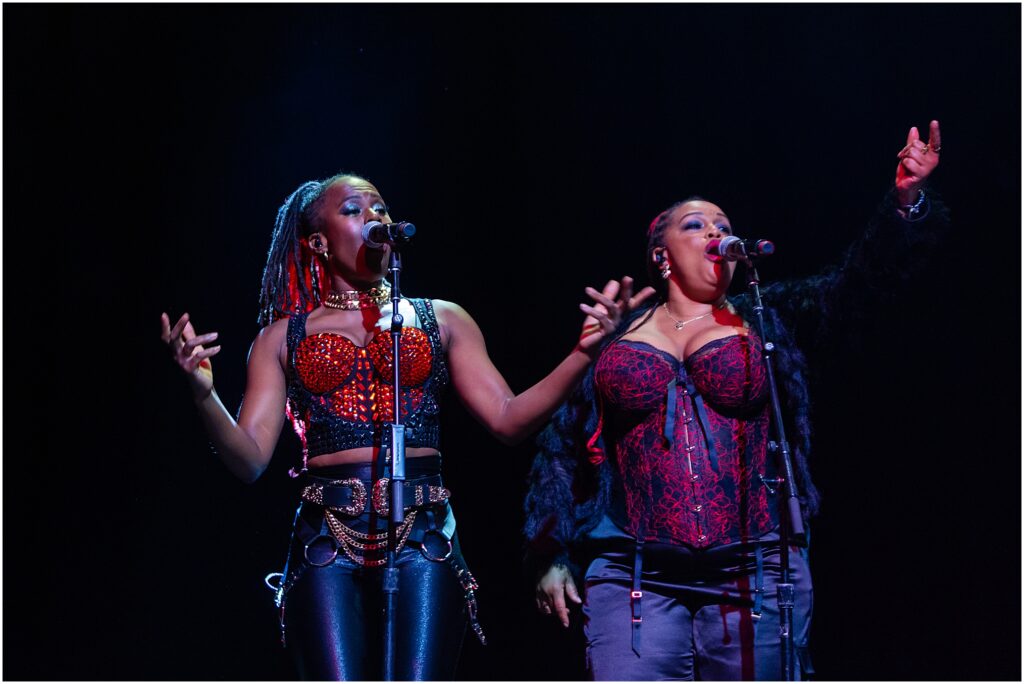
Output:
x,y
423,546
334,544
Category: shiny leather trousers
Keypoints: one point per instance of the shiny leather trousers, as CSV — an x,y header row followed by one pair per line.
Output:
x,y
698,606
333,617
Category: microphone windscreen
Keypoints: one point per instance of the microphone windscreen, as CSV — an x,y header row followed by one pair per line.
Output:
x,y
725,244
369,228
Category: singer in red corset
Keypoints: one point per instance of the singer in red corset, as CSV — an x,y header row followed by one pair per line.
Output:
x,y
654,497
323,360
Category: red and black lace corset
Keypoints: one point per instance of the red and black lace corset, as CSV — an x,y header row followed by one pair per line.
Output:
x,y
688,440
340,395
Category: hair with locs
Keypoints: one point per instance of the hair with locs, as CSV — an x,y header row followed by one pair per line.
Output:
x,y
294,280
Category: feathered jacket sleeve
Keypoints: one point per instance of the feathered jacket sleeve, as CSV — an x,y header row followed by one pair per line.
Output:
x,y
568,489
823,310
887,255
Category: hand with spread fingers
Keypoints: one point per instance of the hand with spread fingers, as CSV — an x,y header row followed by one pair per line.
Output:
x,y
553,589
187,349
604,316
916,162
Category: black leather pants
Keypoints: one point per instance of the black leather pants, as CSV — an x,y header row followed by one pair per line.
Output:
x,y
332,608
335,614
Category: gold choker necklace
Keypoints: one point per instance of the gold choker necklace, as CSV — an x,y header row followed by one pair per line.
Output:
x,y
353,300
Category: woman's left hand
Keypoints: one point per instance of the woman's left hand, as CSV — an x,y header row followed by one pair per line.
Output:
x,y
607,312
917,161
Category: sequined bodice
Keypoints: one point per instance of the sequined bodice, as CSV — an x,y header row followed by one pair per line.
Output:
x,y
689,440
340,395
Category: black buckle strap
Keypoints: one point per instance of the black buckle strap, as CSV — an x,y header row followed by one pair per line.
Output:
x,y
636,595
350,496
433,530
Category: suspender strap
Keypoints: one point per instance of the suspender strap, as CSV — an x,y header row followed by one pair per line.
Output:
x,y
434,554
755,612
702,416
307,533
636,595
670,413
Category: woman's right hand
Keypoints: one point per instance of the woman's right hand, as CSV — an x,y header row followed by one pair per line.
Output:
x,y
188,352
552,590
916,162
606,313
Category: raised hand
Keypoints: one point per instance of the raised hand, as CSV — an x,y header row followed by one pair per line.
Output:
x,y
917,160
188,352
607,312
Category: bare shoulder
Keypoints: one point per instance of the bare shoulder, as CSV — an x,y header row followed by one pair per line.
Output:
x,y
271,341
452,320
446,311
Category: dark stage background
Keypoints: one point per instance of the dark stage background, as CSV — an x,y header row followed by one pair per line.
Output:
x,y
148,147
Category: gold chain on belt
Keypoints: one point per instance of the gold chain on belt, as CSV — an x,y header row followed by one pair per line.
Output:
x,y
357,544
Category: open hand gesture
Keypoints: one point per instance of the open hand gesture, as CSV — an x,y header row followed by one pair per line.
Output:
x,y
607,312
188,352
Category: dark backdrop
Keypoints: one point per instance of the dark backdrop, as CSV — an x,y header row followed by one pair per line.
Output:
x,y
148,147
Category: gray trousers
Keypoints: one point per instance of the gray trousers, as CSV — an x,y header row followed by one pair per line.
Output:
x,y
697,612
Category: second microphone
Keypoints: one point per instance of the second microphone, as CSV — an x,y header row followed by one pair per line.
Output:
x,y
732,248
377,234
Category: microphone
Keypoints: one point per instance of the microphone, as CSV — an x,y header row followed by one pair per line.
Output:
x,y
732,248
377,234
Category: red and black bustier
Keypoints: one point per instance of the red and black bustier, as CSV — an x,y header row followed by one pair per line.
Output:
x,y
340,395
688,440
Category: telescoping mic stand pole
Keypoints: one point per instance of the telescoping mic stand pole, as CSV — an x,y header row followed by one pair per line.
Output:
x,y
396,505
791,523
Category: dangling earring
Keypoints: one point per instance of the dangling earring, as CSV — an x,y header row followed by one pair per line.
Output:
x,y
666,270
314,279
314,276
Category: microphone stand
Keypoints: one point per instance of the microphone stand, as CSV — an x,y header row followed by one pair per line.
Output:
x,y
396,505
791,523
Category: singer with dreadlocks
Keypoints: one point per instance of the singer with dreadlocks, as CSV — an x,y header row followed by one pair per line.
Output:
x,y
323,360
655,490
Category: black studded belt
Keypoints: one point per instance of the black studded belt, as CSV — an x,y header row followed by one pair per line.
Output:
x,y
353,496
